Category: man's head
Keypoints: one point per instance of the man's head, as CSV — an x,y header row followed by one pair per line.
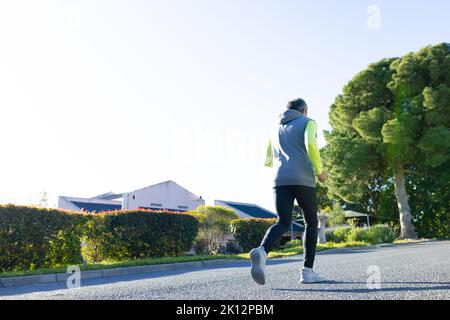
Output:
x,y
299,105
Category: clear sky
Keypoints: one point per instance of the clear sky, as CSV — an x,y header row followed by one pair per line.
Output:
x,y
99,96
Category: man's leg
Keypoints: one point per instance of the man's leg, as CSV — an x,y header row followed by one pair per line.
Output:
x,y
284,203
306,198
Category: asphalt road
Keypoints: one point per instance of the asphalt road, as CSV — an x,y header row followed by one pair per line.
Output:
x,y
410,271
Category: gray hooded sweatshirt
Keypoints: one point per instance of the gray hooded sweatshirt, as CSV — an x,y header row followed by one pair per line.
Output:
x,y
290,158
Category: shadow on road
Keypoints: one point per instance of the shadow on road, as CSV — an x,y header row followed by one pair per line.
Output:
x,y
410,286
135,277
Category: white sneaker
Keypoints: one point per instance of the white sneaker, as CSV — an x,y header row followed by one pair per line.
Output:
x,y
308,275
258,257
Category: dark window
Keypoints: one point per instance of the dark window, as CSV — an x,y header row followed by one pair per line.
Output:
x,y
134,197
183,207
155,204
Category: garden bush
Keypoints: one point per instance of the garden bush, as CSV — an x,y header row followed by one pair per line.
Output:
x,y
338,235
373,235
32,237
380,234
250,232
122,235
357,234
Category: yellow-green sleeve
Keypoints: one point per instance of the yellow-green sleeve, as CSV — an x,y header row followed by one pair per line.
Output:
x,y
311,146
269,156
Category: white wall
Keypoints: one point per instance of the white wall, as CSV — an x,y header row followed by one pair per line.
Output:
x,y
168,195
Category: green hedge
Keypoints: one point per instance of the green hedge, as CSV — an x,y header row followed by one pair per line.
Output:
x,y
32,238
250,232
135,234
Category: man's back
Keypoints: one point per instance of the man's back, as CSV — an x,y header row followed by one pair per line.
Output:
x,y
290,158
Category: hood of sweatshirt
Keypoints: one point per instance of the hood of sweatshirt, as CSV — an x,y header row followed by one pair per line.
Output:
x,y
290,115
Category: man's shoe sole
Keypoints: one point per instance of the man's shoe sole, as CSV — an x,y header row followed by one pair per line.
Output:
x,y
257,272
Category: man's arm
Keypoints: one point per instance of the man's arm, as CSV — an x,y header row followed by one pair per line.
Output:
x,y
269,156
311,146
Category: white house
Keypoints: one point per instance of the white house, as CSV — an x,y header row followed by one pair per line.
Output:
x,y
166,195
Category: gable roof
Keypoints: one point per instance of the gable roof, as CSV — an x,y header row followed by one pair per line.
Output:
x,y
107,196
249,210
168,183
96,207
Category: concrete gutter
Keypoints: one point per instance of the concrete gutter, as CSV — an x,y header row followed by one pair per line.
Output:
x,y
106,273
374,246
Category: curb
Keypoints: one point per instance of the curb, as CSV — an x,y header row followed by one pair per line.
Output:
x,y
374,246
107,273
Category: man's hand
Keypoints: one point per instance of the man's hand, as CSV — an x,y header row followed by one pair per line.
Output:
x,y
323,176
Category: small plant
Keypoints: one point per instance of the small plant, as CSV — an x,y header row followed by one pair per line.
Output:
x,y
353,223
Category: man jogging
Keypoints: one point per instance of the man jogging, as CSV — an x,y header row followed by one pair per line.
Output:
x,y
294,163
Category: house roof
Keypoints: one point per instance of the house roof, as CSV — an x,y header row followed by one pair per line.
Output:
x,y
168,183
96,207
251,210
255,211
108,196
354,214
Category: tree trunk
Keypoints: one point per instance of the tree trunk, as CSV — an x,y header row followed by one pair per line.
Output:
x,y
406,226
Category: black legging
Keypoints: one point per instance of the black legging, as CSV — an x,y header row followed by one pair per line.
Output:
x,y
284,203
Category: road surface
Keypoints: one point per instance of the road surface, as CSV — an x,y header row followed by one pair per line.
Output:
x,y
409,271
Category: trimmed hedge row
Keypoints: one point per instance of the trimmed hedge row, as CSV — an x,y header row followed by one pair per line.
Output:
x,y
135,234
32,238
250,232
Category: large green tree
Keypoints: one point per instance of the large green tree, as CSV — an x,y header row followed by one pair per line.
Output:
x,y
391,120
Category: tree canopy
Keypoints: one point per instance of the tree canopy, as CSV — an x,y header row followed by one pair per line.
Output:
x,y
390,131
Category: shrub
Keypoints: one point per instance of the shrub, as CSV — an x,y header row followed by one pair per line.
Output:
x,y
357,234
338,235
120,235
214,225
250,232
374,235
380,234
32,238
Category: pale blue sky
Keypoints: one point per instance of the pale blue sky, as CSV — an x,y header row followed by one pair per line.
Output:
x,y
100,96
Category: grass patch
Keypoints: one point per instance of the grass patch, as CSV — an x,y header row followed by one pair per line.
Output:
x,y
299,249
166,260
120,264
